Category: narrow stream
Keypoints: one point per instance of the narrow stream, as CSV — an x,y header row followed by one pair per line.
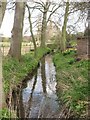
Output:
x,y
38,98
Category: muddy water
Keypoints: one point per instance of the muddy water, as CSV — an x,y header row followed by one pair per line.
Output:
x,y
38,98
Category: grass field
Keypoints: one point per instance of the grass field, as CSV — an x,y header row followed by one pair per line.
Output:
x,y
26,47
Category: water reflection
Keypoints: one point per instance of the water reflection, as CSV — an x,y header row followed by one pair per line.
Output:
x,y
20,106
43,75
30,98
18,103
38,99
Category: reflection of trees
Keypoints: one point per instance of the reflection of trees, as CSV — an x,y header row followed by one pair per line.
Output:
x,y
18,103
30,98
21,107
17,95
43,74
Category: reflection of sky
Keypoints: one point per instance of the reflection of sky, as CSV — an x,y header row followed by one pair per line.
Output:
x,y
50,82
40,101
50,77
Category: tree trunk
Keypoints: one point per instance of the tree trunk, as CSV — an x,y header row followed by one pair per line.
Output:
x,y
88,19
17,30
63,37
32,35
2,10
44,26
2,97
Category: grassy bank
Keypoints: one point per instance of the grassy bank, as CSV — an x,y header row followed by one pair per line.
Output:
x,y
72,82
14,71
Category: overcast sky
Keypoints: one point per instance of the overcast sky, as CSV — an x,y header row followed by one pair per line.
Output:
x,y
9,18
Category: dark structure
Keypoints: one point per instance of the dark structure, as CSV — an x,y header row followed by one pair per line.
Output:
x,y
82,46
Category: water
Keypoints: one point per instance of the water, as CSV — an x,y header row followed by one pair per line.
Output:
x,y
38,98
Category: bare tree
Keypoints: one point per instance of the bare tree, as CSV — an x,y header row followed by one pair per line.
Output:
x,y
72,8
45,20
31,30
45,8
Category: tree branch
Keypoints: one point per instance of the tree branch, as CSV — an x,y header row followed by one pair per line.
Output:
x,y
53,12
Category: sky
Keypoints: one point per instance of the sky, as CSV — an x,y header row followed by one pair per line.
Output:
x,y
56,1
7,24
8,20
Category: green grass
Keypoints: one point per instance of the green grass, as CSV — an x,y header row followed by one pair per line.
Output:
x,y
4,113
72,79
14,71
